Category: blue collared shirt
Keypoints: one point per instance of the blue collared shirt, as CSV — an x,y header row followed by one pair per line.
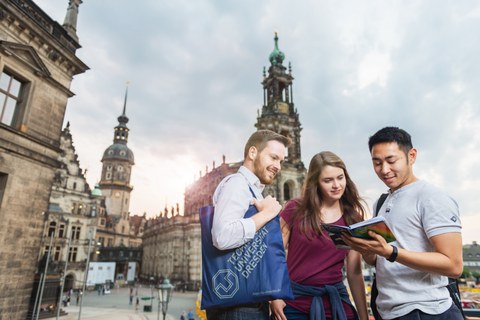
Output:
x,y
231,200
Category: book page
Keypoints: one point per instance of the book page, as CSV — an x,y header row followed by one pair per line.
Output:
x,y
379,226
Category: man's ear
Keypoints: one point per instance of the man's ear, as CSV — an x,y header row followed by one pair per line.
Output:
x,y
412,156
252,153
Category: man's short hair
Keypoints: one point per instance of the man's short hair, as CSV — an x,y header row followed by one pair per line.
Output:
x,y
260,138
392,134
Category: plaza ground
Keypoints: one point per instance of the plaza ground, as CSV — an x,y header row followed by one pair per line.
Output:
x,y
116,305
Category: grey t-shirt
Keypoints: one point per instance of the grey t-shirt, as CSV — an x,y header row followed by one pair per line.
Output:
x,y
415,213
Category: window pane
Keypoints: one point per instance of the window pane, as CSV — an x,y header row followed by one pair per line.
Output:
x,y
4,80
15,87
10,89
9,111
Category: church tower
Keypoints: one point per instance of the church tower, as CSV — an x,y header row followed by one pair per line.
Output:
x,y
280,115
117,165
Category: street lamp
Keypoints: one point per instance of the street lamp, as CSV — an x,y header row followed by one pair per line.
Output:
x,y
164,296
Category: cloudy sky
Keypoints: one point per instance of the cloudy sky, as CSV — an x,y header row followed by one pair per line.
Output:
x,y
195,69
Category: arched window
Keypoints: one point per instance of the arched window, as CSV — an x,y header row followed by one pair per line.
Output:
x,y
56,254
72,254
61,231
52,228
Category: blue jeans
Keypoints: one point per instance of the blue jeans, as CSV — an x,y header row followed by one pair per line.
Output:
x,y
451,314
294,314
259,312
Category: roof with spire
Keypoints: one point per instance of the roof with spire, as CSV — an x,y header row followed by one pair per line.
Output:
x,y
119,150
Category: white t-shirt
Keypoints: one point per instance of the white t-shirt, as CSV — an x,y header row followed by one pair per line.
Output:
x,y
415,213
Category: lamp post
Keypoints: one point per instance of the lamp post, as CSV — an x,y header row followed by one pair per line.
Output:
x,y
164,296
63,279
85,276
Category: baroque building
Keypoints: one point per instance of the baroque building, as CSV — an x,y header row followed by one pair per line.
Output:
x,y
37,65
170,250
280,115
71,219
172,245
471,257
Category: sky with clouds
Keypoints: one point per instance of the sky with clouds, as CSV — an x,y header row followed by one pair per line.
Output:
x,y
195,69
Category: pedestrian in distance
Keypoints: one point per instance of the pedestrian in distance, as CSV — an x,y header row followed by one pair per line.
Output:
x,y
191,315
411,272
264,153
314,262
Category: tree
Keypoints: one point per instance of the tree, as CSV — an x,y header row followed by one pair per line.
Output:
x,y
476,275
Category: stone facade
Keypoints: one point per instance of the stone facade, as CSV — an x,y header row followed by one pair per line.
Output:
x,y
71,219
170,249
37,65
172,245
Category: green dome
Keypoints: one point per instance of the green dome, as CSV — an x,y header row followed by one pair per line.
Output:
x,y
96,191
277,56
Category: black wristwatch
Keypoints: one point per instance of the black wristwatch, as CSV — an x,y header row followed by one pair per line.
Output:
x,y
394,254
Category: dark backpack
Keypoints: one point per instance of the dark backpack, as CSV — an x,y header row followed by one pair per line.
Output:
x,y
452,285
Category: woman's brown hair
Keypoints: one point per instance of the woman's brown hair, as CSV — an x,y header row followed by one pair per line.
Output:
x,y
308,209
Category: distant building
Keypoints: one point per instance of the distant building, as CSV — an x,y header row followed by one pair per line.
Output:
x,y
37,64
471,256
119,235
172,245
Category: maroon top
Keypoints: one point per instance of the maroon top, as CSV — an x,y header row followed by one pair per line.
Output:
x,y
314,262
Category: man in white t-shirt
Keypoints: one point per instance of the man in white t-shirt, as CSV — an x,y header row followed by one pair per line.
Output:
x,y
412,272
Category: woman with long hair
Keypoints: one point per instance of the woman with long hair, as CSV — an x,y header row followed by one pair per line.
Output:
x,y
314,263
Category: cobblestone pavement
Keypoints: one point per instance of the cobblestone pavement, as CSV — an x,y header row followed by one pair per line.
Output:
x,y
116,305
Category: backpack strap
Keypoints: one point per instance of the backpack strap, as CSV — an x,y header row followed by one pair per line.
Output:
x,y
380,202
374,290
452,287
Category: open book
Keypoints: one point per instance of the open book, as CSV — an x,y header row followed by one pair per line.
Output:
x,y
359,230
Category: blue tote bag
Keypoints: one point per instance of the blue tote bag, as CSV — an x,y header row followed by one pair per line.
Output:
x,y
255,272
